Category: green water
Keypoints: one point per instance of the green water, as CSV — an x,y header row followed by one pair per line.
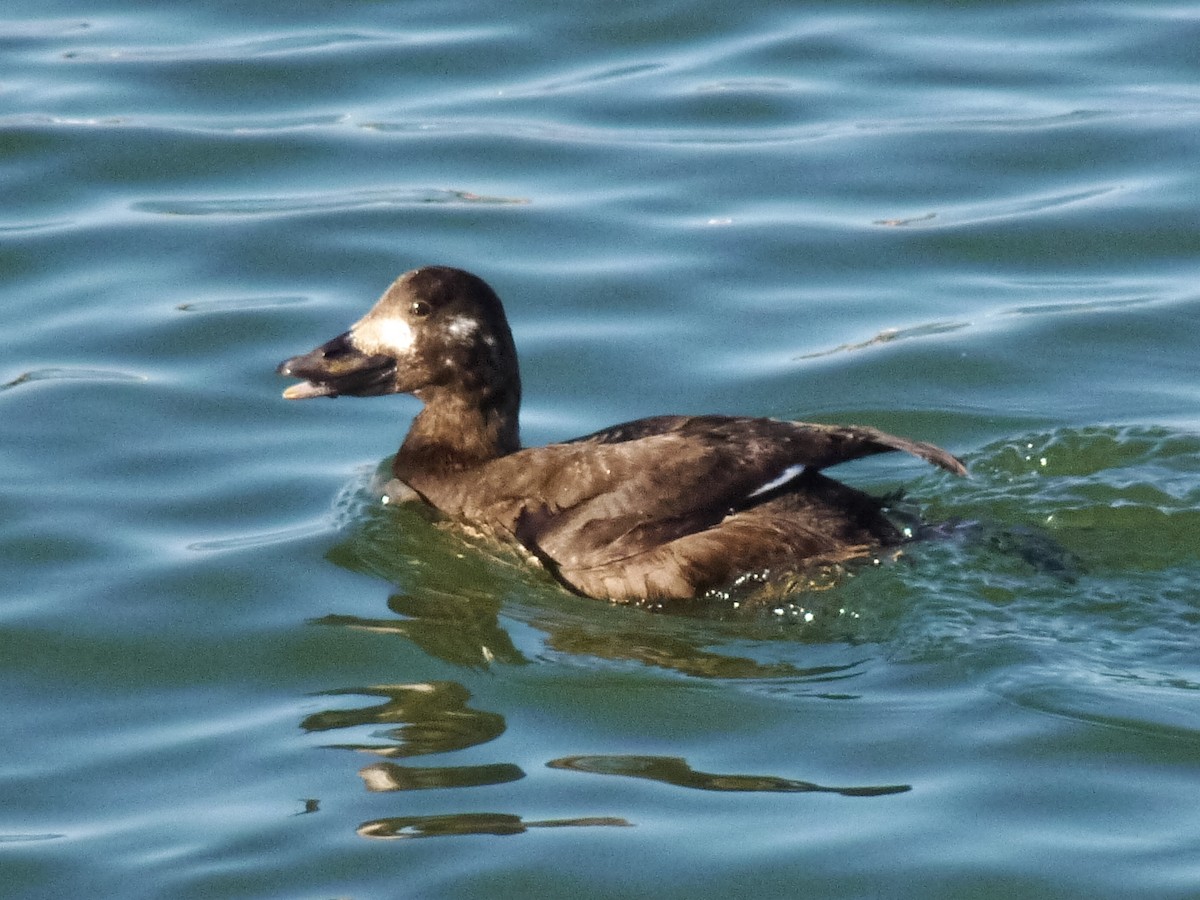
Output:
x,y
229,671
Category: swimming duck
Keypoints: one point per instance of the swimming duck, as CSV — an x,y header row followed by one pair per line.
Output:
x,y
658,509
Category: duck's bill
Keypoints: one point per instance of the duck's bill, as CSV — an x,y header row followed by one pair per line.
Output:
x,y
306,389
339,368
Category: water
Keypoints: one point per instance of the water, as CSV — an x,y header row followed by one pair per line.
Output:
x,y
229,672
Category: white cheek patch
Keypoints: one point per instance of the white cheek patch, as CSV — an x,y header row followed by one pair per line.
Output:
x,y
783,478
386,336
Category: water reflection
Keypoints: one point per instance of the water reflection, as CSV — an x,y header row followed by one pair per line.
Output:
x,y
433,717
429,717
676,771
406,827
459,630
382,777
458,607
676,652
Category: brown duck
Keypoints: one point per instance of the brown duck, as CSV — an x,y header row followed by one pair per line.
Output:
x,y
664,508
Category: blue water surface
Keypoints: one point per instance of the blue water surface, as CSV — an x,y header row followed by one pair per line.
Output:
x,y
230,671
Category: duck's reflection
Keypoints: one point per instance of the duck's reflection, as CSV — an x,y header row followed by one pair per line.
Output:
x,y
424,718
451,607
429,717
408,827
433,717
679,654
461,631
675,770
381,777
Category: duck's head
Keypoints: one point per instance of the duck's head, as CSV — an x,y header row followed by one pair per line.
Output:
x,y
436,333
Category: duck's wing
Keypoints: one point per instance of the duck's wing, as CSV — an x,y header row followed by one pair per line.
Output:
x,y
816,522
630,490
813,445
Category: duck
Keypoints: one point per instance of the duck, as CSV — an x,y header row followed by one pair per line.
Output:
x,y
656,510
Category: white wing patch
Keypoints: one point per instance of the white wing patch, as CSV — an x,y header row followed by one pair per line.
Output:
x,y
779,481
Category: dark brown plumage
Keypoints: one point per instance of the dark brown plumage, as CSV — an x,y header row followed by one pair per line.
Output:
x,y
662,508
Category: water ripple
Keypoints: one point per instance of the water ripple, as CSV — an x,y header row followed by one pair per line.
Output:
x,y
296,46
314,203
586,79
70,374
889,335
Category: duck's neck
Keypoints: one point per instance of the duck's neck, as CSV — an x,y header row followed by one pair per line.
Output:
x,y
457,432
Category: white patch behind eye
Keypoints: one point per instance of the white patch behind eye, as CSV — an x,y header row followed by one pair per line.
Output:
x,y
779,481
462,328
383,335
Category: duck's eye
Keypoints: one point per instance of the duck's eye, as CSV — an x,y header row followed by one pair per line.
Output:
x,y
420,309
